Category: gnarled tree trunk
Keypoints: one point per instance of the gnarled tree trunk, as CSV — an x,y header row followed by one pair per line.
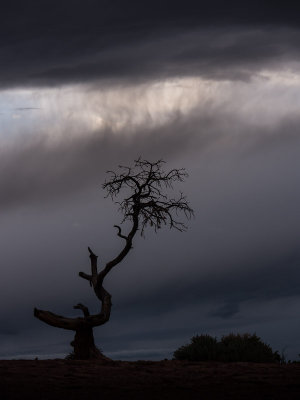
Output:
x,y
83,343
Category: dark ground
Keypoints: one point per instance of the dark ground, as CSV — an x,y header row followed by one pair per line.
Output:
x,y
62,379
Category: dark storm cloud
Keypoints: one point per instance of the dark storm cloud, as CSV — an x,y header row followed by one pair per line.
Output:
x,y
217,54
275,277
7,329
53,43
227,310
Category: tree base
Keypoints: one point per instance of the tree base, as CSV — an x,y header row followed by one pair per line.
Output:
x,y
84,346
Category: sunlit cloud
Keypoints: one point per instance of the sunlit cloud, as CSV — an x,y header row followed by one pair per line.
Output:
x,y
70,111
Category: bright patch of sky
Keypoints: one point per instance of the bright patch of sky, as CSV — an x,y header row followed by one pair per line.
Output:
x,y
79,110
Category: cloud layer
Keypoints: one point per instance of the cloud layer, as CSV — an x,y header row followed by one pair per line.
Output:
x,y
55,44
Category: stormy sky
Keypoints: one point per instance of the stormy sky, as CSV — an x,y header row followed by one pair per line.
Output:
x,y
210,86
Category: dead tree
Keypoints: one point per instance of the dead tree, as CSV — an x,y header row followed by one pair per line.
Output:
x,y
148,203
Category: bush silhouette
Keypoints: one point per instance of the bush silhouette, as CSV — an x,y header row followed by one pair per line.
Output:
x,y
201,348
233,347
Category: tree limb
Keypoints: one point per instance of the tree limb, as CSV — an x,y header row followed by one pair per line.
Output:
x,y
59,321
94,269
120,232
83,308
86,276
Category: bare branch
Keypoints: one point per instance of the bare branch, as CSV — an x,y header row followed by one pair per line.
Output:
x,y
58,320
120,232
83,308
124,252
94,260
86,276
149,203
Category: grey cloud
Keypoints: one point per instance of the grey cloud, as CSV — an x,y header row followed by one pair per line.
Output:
x,y
211,53
27,108
227,310
228,287
134,53
41,172
7,330
37,171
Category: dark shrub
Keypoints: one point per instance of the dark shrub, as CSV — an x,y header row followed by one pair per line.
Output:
x,y
246,347
233,347
202,348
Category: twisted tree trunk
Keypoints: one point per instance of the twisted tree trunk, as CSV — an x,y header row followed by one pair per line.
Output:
x,y
83,343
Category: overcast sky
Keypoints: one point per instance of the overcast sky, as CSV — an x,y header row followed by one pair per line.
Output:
x,y
211,86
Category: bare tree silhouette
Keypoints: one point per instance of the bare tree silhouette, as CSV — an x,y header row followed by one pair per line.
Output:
x,y
148,203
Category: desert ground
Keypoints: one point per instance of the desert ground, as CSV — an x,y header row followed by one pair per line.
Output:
x,y
168,379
